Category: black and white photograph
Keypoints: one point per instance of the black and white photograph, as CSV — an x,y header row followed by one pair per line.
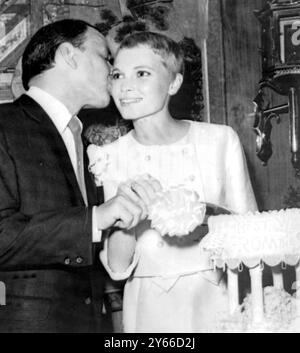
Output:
x,y
150,169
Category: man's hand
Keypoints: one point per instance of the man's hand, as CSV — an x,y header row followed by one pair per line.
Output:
x,y
120,212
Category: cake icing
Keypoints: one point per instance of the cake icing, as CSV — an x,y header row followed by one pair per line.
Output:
x,y
272,237
280,316
252,239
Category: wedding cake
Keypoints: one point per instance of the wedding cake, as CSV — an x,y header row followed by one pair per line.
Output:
x,y
254,239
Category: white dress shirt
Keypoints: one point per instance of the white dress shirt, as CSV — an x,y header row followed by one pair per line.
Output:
x,y
61,117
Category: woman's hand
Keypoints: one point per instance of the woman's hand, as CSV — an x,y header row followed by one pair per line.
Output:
x,y
141,191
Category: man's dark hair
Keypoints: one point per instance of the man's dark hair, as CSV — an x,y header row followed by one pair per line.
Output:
x,y
40,52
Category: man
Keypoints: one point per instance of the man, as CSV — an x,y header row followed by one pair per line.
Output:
x,y
48,223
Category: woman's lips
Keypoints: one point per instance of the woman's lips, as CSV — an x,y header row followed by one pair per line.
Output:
x,y
128,101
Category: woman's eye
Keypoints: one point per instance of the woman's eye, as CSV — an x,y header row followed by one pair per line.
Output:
x,y
115,75
143,73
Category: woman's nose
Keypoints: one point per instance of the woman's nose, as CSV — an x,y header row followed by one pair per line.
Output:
x,y
127,85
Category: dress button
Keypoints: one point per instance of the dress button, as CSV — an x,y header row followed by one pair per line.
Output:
x,y
67,261
148,158
88,301
192,177
160,244
79,260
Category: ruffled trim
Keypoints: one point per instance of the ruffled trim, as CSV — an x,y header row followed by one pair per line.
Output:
x,y
274,260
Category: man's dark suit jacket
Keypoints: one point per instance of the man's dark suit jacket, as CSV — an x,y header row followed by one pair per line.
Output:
x,y
46,251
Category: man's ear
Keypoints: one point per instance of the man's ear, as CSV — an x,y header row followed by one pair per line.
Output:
x,y
66,51
175,84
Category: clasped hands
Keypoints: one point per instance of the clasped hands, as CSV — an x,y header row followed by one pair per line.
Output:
x,y
130,205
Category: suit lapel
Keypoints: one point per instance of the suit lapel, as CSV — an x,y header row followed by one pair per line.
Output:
x,y
52,136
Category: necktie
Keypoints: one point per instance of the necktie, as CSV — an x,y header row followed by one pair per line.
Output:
x,y
75,127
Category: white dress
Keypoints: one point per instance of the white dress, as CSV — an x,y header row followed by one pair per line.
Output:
x,y
171,285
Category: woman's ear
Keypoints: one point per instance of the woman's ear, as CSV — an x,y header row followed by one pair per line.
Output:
x,y
175,84
67,54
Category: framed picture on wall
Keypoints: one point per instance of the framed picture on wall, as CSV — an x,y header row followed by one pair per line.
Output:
x,y
289,39
14,33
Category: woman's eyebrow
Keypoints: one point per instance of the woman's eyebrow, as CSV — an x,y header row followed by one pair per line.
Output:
x,y
143,67
135,68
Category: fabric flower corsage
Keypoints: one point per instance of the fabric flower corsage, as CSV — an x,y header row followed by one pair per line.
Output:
x,y
176,212
99,162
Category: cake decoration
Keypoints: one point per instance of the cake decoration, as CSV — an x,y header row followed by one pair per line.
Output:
x,y
279,314
252,239
272,237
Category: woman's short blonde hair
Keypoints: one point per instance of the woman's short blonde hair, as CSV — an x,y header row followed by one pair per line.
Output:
x,y
165,47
